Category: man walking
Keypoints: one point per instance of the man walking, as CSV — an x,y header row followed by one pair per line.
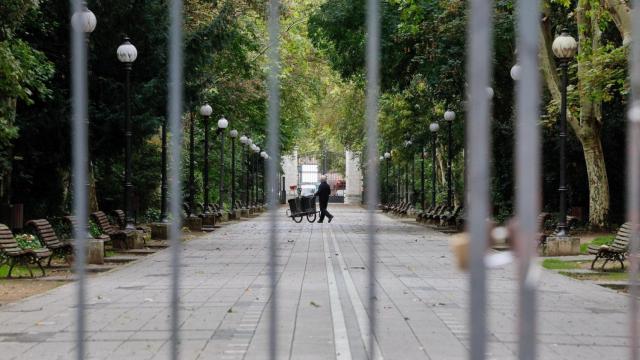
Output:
x,y
324,190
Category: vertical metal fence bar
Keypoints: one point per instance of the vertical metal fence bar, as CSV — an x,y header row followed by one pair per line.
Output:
x,y
174,112
273,146
633,179
479,50
371,111
80,149
527,163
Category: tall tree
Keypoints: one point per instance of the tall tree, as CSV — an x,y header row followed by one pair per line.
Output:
x,y
599,73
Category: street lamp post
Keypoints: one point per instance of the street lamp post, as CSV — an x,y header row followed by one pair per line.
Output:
x,y
263,187
407,144
127,54
222,124
234,134
387,156
564,48
244,140
449,116
254,184
206,112
164,187
422,190
433,127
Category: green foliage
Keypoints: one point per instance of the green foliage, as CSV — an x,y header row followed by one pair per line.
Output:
x,y
94,229
28,241
599,241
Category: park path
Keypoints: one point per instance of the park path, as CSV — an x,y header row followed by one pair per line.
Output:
x,y
422,302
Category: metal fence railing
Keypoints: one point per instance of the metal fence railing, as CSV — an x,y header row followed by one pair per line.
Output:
x,y
479,59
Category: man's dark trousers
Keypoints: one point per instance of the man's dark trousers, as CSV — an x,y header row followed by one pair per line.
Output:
x,y
324,212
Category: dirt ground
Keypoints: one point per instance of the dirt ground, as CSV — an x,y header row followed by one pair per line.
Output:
x,y
16,289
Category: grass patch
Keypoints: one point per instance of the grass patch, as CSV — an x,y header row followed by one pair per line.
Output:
x,y
19,271
109,253
555,264
601,240
598,276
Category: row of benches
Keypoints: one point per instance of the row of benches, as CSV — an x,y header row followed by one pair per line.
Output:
x,y
441,215
54,244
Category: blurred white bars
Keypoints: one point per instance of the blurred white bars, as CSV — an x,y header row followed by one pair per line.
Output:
x,y
80,150
273,166
633,179
174,112
478,128
371,178
527,169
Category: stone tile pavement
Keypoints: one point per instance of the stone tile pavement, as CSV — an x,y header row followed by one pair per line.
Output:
x,y
422,302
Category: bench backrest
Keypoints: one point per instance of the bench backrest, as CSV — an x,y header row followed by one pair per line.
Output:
x,y
44,231
456,211
103,223
621,242
120,218
8,243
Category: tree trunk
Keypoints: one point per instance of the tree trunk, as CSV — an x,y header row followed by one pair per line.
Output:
x,y
93,196
598,181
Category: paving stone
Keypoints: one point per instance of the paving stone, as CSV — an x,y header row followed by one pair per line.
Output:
x,y
422,300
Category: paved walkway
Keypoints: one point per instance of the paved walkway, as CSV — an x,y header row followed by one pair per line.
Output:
x,y
422,303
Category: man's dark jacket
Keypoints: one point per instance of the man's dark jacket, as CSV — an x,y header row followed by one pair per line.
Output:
x,y
324,190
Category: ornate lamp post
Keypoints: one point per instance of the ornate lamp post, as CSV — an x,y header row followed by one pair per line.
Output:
x,y
127,54
449,116
433,127
206,112
256,151
407,144
263,158
564,48
422,190
387,156
234,134
222,124
244,140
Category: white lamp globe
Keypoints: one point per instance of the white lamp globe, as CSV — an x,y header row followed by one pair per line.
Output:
x,y
434,126
515,72
250,142
381,157
206,110
84,20
564,46
233,133
490,92
449,115
223,123
244,139
256,149
387,155
127,53
263,154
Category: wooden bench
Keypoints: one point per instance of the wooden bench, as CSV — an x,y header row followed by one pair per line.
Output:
x,y
616,251
424,213
434,217
116,235
450,217
48,238
13,254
